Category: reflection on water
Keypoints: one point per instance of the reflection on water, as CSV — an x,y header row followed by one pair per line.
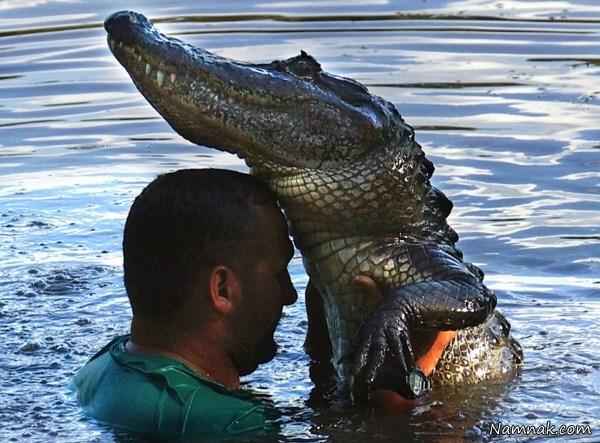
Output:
x,y
505,99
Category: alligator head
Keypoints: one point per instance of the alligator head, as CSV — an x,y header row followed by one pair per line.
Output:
x,y
285,113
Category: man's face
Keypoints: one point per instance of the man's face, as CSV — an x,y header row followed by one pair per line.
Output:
x,y
266,288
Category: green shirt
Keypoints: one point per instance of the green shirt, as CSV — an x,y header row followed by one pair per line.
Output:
x,y
157,395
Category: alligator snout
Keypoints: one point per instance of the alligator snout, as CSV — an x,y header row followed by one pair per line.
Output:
x,y
123,25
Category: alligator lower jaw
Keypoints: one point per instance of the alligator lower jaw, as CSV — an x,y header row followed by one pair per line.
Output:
x,y
166,89
133,60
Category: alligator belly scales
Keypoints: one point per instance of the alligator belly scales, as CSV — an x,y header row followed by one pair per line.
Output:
x,y
349,174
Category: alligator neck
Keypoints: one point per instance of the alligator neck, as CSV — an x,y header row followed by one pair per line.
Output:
x,y
382,195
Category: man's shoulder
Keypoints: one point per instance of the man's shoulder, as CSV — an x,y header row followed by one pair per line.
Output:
x,y
229,414
148,393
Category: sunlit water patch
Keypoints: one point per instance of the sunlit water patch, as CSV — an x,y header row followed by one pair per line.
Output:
x,y
504,96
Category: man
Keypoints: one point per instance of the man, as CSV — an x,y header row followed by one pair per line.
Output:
x,y
205,266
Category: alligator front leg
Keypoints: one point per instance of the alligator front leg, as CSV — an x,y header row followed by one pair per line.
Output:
x,y
317,344
452,304
318,347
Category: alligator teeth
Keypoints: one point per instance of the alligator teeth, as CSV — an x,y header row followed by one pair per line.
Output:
x,y
172,78
160,77
148,68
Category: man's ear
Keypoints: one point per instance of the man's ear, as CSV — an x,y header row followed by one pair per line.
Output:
x,y
224,289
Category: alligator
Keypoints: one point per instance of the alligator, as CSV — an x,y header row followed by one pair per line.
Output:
x,y
353,182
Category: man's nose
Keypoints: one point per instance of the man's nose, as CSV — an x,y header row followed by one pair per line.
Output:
x,y
291,295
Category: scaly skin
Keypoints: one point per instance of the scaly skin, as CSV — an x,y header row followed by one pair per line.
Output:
x,y
353,182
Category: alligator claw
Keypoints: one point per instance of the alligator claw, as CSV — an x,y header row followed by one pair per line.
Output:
x,y
384,354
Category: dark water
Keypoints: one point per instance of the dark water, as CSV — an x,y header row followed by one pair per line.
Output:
x,y
505,97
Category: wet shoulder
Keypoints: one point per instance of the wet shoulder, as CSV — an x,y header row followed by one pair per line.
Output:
x,y
161,396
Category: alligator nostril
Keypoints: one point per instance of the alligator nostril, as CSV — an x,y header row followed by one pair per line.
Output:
x,y
122,21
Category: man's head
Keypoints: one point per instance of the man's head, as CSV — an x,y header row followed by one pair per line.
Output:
x,y
208,250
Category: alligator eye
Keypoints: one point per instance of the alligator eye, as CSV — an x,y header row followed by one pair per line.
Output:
x,y
301,70
349,90
303,66
279,65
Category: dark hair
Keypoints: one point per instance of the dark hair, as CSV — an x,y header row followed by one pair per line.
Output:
x,y
181,223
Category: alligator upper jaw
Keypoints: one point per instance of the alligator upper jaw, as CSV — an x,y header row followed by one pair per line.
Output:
x,y
164,71
287,112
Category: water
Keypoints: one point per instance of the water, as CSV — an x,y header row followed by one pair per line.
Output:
x,y
505,98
